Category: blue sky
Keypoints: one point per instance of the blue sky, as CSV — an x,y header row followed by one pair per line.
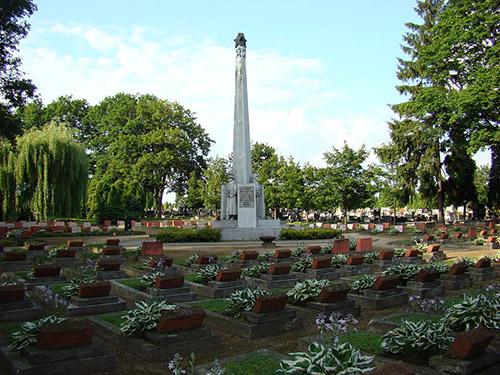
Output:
x,y
319,72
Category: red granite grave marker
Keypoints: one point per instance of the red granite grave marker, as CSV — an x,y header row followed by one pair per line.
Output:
x,y
364,244
206,259
386,255
333,293
483,263
112,241
396,368
111,250
433,247
169,281
249,255
161,262
354,260
12,293
428,238
410,253
15,256
270,303
279,269
386,282
94,289
491,239
64,253
280,254
47,270
458,235
313,249
470,343
64,335
181,319
35,246
471,233
151,248
457,269
427,275
321,263
108,266
74,243
228,275
340,246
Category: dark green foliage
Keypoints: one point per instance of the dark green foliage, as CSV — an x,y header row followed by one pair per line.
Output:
x,y
309,234
189,235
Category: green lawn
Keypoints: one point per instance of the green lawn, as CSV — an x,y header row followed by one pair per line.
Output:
x,y
365,341
57,288
133,283
258,364
215,305
114,319
415,318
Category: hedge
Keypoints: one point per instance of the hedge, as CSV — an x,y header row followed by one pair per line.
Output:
x,y
189,235
310,234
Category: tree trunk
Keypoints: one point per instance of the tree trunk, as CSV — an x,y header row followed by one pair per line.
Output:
x,y
494,178
439,179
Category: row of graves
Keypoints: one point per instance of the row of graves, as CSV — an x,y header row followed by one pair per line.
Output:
x,y
52,302
28,229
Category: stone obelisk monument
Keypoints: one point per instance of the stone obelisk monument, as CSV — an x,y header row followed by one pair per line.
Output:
x,y
242,199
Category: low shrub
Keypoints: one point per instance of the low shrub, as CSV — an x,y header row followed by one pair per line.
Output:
x,y
243,300
406,271
144,317
302,264
338,259
208,273
364,282
423,338
307,290
474,311
257,270
310,234
189,235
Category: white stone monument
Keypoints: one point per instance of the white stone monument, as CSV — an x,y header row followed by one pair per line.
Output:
x,y
242,199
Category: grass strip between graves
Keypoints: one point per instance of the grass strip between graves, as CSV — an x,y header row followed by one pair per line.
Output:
x,y
364,341
113,319
215,305
258,364
137,284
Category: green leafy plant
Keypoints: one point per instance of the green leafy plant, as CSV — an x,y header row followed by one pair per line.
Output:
x,y
257,270
370,257
307,290
302,264
150,278
243,300
424,338
438,266
299,251
353,243
208,273
420,246
189,235
310,234
406,271
474,311
338,259
479,241
29,332
144,317
268,255
467,261
191,260
340,359
74,284
364,282
399,252
233,256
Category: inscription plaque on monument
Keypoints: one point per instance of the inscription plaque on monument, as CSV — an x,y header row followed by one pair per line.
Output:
x,y
246,196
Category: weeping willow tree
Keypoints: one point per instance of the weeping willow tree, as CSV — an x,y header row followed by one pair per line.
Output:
x,y
7,182
51,172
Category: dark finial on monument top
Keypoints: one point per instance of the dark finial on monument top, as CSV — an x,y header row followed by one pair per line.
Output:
x,y
240,40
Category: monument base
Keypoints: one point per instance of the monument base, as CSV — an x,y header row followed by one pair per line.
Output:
x,y
231,232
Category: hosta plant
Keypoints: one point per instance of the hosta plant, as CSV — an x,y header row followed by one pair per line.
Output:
x,y
474,311
299,251
399,252
406,271
234,255
257,270
370,256
144,317
150,278
302,264
420,246
243,300
327,360
327,249
364,282
353,243
424,338
74,284
338,259
192,259
439,266
268,255
479,241
208,273
29,332
307,290
467,261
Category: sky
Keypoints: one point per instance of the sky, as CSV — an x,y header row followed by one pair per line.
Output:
x,y
320,72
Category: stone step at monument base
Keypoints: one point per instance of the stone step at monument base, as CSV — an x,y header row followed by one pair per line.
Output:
x,y
429,289
274,281
95,305
487,363
19,311
412,260
172,295
249,234
322,274
15,265
313,309
380,300
454,282
381,265
67,262
435,256
82,360
482,274
216,289
153,346
111,275
347,270
245,263
256,325
32,282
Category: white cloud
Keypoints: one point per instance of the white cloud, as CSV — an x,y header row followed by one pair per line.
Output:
x,y
288,96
